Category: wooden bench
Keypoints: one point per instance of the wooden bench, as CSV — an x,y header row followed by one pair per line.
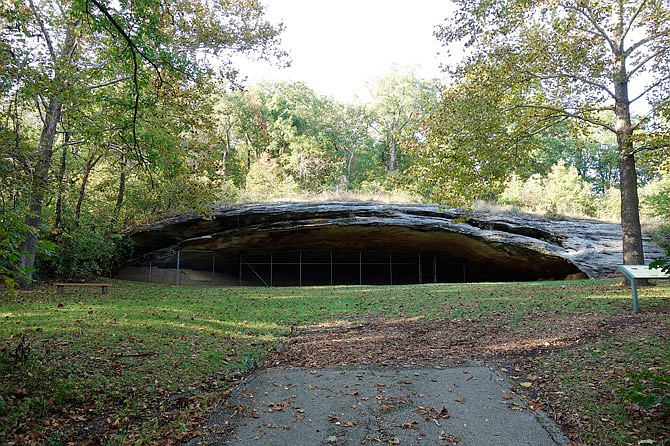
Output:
x,y
634,272
60,287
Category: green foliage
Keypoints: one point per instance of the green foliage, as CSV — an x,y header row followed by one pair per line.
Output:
x,y
663,263
399,104
561,192
118,91
12,229
656,197
266,180
84,252
593,154
532,66
475,140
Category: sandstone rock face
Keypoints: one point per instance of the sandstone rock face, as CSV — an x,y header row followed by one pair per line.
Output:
x,y
420,243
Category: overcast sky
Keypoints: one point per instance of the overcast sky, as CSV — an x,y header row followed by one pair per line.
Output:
x,y
338,46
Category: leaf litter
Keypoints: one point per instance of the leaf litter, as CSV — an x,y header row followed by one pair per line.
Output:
x,y
539,354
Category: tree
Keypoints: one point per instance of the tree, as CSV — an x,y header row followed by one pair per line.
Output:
x,y
63,53
534,65
400,101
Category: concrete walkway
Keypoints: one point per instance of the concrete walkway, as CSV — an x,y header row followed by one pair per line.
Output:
x,y
374,405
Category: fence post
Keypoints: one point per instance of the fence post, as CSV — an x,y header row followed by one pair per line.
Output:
x,y
178,260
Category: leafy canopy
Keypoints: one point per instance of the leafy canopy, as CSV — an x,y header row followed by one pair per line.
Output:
x,y
529,66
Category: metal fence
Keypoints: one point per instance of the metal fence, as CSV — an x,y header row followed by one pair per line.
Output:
x,y
298,268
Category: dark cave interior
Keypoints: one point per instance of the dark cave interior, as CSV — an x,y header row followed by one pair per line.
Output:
x,y
354,255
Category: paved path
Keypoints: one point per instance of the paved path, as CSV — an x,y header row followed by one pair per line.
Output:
x,y
378,406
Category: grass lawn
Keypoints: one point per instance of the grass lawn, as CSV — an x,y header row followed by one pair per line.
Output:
x,y
145,363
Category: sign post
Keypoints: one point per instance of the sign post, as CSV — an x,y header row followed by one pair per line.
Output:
x,y
634,272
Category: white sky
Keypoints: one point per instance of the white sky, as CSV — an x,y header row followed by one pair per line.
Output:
x,y
338,46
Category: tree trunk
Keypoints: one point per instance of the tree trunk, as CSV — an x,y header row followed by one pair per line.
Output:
x,y
40,180
39,187
61,180
393,155
122,189
90,164
226,150
631,230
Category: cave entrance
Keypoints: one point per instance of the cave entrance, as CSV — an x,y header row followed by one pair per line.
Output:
x,y
320,267
307,268
304,268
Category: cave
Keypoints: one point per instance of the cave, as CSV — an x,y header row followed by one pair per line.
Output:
x,y
311,244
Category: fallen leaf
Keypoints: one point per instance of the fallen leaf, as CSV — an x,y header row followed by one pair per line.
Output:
x,y
460,399
526,384
450,438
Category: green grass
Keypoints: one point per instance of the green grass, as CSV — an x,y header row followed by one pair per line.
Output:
x,y
596,381
145,363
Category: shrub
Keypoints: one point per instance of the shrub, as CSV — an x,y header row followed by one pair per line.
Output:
x,y
664,263
656,198
266,180
83,252
561,192
12,231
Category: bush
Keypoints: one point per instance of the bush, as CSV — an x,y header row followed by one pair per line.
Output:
x,y
12,231
561,192
266,180
656,198
664,263
83,252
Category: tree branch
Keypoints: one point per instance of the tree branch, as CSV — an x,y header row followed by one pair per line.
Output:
x,y
111,82
595,24
645,41
43,29
573,77
652,56
649,88
568,114
134,51
652,112
643,3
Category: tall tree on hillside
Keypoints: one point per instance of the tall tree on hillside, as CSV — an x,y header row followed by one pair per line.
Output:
x,y
400,100
59,51
533,65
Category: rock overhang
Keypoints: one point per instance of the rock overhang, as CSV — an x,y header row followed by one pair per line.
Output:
x,y
489,247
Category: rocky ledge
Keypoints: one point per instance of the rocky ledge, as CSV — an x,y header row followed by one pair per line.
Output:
x,y
486,247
